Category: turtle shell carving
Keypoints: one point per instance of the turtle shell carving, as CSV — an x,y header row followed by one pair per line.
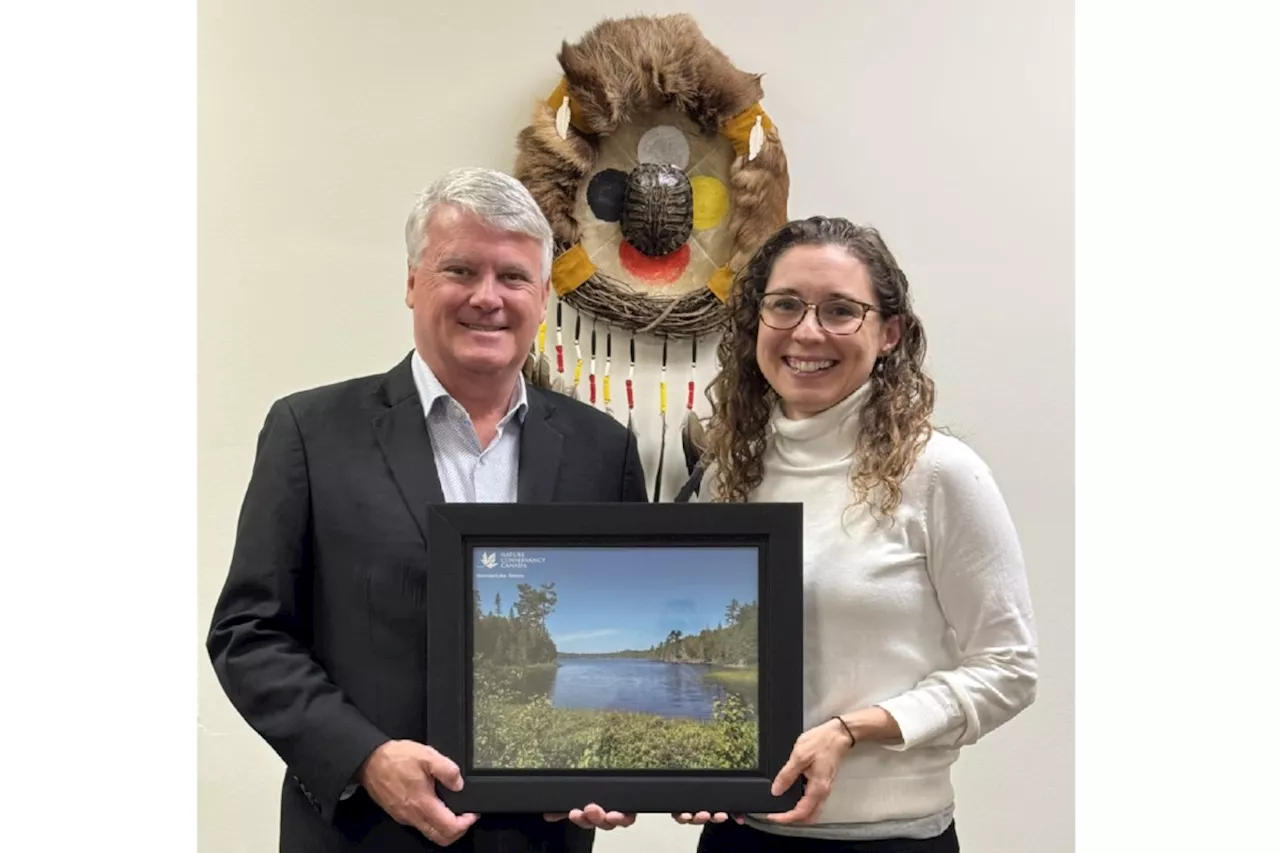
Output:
x,y
657,209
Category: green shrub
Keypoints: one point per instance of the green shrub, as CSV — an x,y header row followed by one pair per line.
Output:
x,y
514,730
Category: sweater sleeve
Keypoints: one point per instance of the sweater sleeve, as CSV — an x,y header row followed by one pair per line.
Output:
x,y
976,565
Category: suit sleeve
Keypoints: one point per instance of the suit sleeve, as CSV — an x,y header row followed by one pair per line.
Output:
x,y
633,488
259,636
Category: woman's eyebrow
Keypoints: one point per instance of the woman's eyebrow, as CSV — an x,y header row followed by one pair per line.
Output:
x,y
837,294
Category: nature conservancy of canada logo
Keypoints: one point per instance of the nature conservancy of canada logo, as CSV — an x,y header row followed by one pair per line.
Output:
x,y
508,561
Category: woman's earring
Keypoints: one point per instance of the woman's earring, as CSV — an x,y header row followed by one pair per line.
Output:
x,y
879,368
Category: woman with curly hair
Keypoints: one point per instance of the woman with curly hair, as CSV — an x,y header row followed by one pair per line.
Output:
x,y
919,636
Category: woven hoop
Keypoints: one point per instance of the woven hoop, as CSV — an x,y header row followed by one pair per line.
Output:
x,y
620,70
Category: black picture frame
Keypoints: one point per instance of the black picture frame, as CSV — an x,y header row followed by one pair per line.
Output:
x,y
775,530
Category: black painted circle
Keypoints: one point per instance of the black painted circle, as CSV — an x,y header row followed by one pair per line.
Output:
x,y
605,194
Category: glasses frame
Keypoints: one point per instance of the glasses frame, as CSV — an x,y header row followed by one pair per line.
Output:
x,y
808,306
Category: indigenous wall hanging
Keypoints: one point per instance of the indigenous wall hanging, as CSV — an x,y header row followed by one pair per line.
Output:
x,y
659,172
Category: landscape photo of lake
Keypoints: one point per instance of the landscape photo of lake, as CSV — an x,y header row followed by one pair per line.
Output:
x,y
615,658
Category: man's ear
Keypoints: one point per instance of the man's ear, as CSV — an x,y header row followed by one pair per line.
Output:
x,y
408,290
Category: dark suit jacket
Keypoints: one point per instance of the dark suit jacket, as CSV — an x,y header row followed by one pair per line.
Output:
x,y
318,635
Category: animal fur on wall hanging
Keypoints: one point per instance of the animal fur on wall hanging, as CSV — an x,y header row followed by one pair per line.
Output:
x,y
659,172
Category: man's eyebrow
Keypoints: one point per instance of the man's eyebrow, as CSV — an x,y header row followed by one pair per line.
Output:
x,y
450,260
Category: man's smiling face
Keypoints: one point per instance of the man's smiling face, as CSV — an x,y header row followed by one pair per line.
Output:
x,y
477,294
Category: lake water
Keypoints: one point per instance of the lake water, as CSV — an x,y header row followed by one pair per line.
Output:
x,y
648,686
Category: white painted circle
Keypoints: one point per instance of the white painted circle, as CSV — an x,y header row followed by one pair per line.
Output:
x,y
664,145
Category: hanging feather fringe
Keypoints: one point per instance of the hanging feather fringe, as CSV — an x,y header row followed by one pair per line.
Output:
x,y
542,370
577,368
695,441
631,394
591,374
557,384
562,118
530,369
755,139
608,367
662,408
692,437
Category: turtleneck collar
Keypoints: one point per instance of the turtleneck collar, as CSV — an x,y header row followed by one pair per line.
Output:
x,y
827,437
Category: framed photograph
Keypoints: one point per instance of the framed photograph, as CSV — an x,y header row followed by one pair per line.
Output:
x,y
645,657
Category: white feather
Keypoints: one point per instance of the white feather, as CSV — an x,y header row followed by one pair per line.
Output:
x,y
562,118
755,141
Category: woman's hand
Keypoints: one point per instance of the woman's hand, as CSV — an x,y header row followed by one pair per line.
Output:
x,y
699,818
593,817
817,755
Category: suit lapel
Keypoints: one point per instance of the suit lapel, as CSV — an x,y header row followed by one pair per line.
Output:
x,y
540,449
401,430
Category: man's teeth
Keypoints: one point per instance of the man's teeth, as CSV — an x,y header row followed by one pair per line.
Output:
x,y
808,366
480,328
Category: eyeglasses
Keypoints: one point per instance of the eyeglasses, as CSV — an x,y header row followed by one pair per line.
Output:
x,y
838,316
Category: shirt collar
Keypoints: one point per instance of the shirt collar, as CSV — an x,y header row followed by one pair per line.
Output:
x,y
431,391
826,437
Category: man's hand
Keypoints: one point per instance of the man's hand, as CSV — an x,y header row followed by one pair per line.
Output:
x,y
400,776
594,817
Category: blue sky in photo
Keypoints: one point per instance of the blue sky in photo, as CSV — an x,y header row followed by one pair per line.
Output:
x,y
621,598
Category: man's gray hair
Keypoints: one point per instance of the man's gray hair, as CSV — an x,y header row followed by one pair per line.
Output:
x,y
498,199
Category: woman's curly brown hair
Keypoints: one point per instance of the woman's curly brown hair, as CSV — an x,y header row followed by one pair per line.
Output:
x,y
895,423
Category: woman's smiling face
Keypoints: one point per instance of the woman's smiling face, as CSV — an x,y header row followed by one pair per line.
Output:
x,y
811,367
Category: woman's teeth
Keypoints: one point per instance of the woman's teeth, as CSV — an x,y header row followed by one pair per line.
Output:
x,y
807,366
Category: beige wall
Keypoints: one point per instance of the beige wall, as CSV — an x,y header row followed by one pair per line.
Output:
x,y
947,124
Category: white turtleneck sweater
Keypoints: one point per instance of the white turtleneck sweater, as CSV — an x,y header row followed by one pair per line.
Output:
x,y
928,618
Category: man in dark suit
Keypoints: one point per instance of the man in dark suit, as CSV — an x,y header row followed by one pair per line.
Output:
x,y
318,635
